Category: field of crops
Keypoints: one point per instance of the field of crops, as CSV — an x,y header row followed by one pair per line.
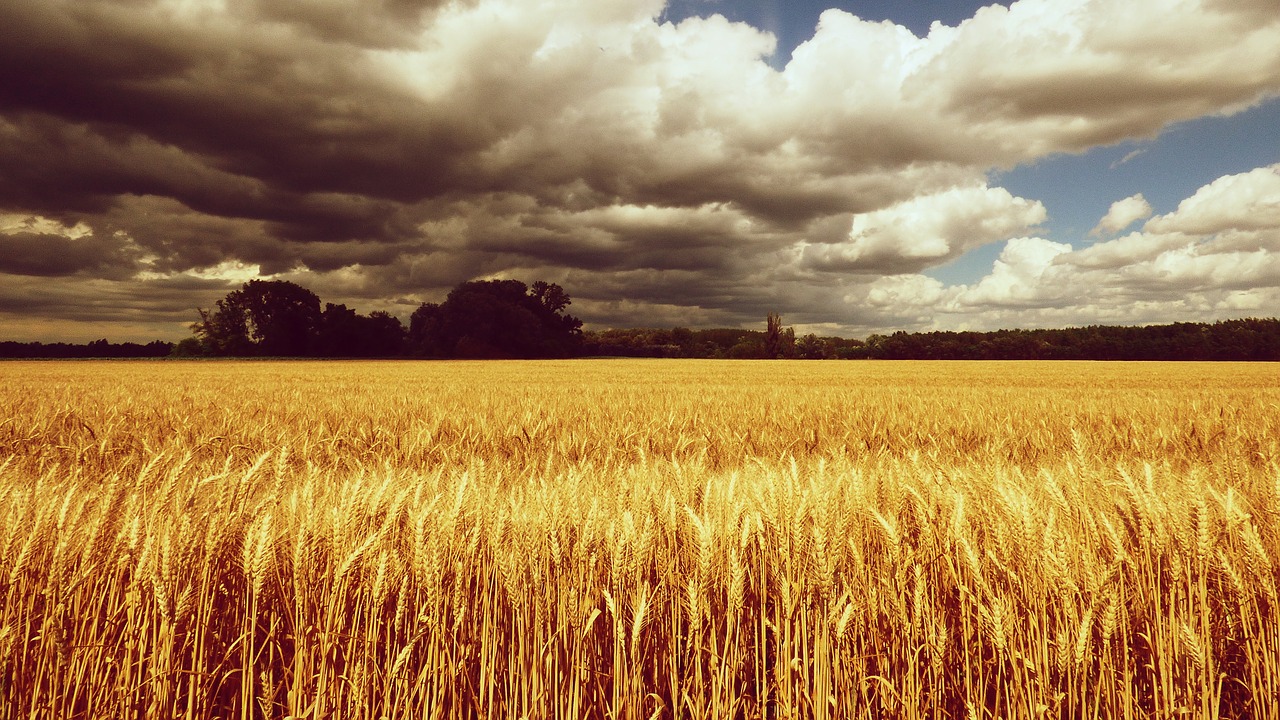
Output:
x,y
639,539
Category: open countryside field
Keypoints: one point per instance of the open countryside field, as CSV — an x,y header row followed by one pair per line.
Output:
x,y
637,539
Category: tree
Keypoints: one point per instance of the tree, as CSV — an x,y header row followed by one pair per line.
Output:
x,y
787,347
263,317
551,296
779,342
385,334
810,347
683,338
188,347
345,333
224,331
497,319
425,329
749,348
773,335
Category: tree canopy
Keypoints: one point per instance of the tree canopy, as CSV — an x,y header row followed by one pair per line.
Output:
x,y
478,319
497,319
1245,339
346,333
281,319
94,349
1240,340
264,317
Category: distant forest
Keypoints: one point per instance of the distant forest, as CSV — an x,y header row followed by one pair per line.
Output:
x,y
508,319
1249,339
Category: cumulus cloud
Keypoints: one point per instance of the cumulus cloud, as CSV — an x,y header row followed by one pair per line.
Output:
x,y
1122,214
1193,264
905,301
389,149
1018,277
1133,248
927,230
1043,76
1245,202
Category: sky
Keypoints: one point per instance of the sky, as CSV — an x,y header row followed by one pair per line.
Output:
x,y
857,166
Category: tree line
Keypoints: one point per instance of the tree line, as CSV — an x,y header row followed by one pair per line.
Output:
x,y
681,342
1240,340
75,351
485,319
479,319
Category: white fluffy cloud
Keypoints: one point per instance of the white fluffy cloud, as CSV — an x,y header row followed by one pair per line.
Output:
x,y
927,230
897,292
1020,277
1122,214
1045,75
1245,202
1192,264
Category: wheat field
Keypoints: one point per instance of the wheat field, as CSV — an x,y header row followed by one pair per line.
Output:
x,y
639,539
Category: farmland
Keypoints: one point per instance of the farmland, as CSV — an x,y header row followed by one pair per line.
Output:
x,y
636,539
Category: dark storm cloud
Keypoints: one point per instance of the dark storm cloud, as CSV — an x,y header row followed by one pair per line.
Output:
x,y
710,239
180,239
82,169
57,255
104,301
691,298
50,164
327,256
232,120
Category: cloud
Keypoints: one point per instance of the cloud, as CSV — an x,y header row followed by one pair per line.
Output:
x,y
57,255
1244,202
1201,262
366,23
389,149
1043,76
80,308
927,230
44,247
1124,251
1128,156
13,224
1122,214
1018,278
906,301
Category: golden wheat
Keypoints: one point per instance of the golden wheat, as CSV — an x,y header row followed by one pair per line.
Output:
x,y
639,539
